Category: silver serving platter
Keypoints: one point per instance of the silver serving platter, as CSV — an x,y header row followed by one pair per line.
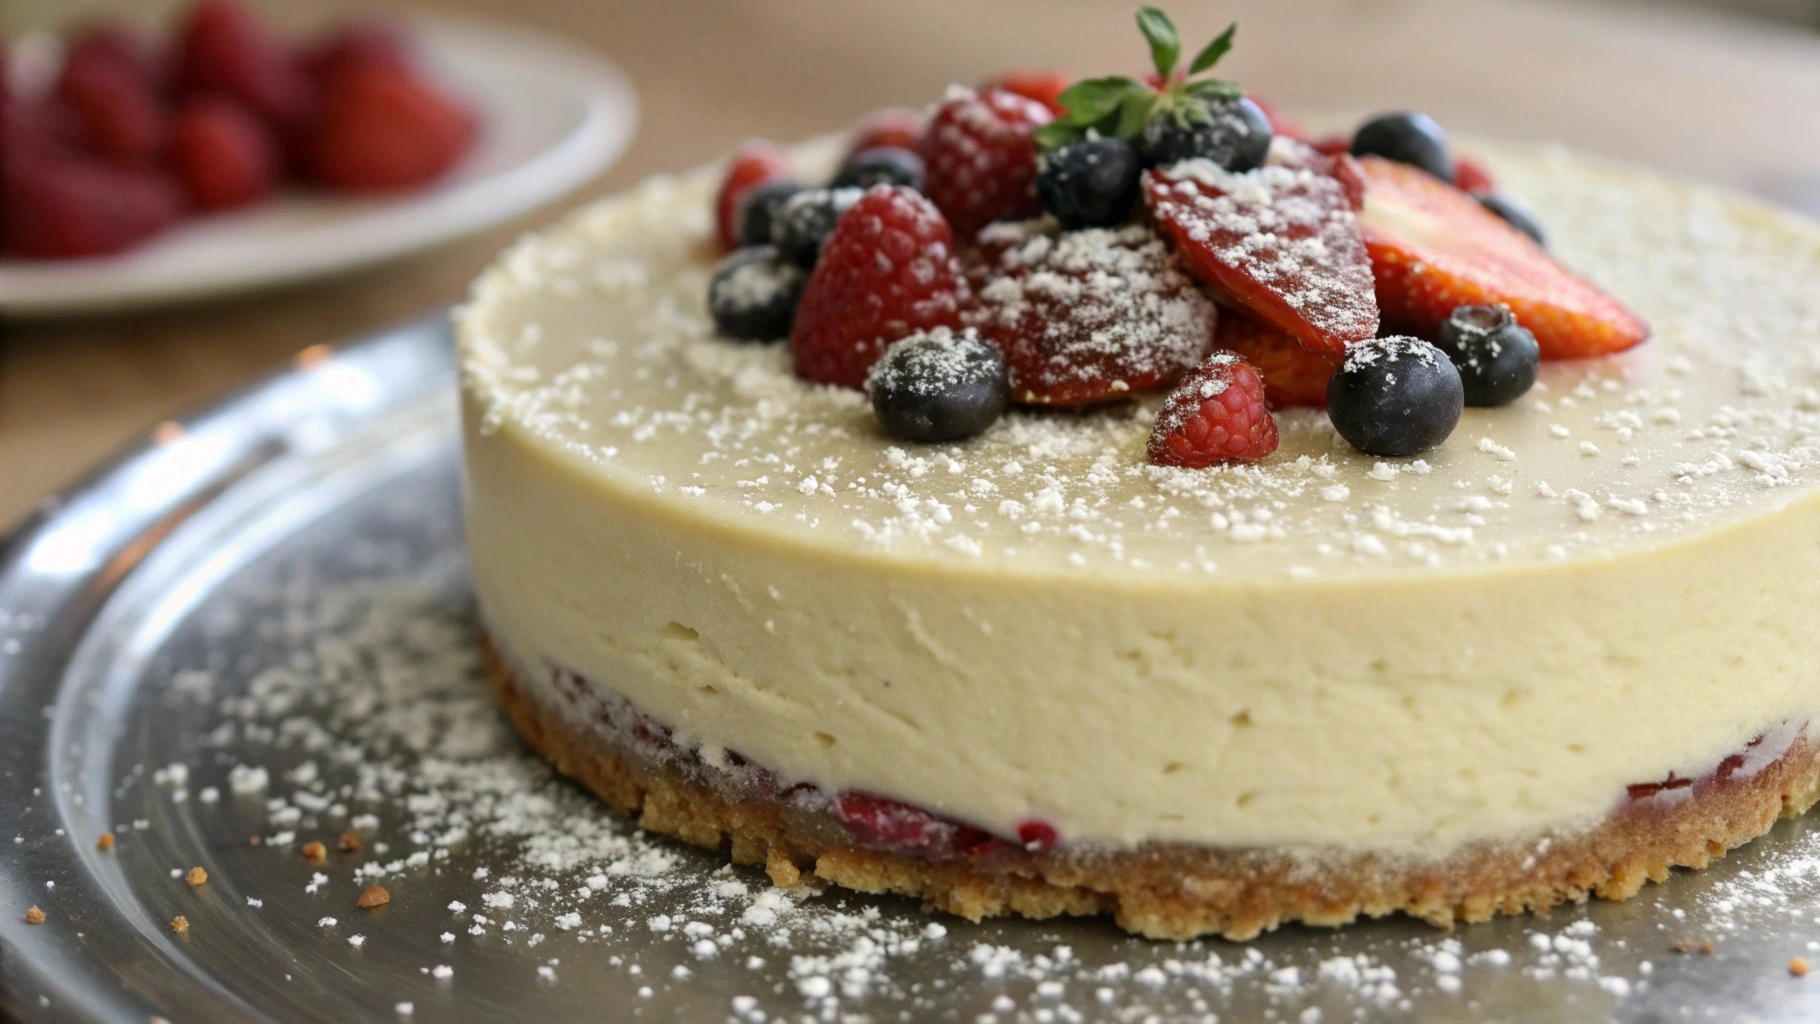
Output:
x,y
344,472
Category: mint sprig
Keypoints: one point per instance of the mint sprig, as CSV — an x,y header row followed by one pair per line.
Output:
x,y
1119,105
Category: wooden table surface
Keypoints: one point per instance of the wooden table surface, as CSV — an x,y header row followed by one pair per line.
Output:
x,y
1727,101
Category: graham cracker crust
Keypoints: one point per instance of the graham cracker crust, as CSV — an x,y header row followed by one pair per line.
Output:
x,y
1181,891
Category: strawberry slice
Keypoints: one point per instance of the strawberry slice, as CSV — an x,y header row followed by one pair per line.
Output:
x,y
1292,374
1280,242
1434,248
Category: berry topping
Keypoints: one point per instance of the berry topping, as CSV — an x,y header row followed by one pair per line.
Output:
x,y
223,155
1293,375
1234,135
1497,359
69,206
1216,414
382,128
1413,139
882,822
122,116
1469,175
938,385
881,165
754,163
893,126
1038,836
1282,243
1045,87
1087,317
223,48
1395,397
1089,184
1434,248
1513,211
754,294
887,271
802,223
758,209
980,153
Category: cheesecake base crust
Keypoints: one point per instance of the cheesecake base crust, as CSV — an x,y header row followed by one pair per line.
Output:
x,y
1179,891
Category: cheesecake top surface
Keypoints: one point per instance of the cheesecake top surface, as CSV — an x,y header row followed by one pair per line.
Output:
x,y
591,343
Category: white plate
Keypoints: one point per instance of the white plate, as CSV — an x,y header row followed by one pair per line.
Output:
x,y
551,117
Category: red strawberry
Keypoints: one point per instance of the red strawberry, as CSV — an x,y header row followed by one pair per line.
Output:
x,y
224,155
223,48
1045,87
1293,375
1332,145
1434,248
61,207
1469,175
1280,124
894,126
754,163
1341,167
1216,414
123,44
356,43
383,128
123,119
1281,243
980,151
1087,317
887,271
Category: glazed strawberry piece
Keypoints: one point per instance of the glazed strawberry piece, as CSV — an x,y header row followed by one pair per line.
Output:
x,y
980,155
1341,167
1281,243
753,164
1045,87
1216,414
887,271
1293,375
1087,317
223,154
381,128
1434,248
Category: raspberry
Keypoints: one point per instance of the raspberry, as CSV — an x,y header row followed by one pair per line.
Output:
x,y
896,126
1045,87
224,155
61,207
980,152
753,164
888,271
1216,414
1087,317
382,128
1038,836
223,48
122,119
1292,374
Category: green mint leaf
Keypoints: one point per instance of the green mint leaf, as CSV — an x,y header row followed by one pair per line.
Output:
x,y
1056,134
1216,90
1211,55
1090,99
1139,104
1165,45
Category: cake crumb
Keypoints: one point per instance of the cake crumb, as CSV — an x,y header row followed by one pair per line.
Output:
x,y
33,915
196,877
373,896
105,842
315,852
180,925
1797,967
349,842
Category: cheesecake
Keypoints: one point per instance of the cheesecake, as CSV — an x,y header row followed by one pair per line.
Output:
x,y
1033,671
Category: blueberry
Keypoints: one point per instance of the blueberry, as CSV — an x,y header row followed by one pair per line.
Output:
x,y
1395,397
1408,139
1515,213
806,220
759,208
754,294
1496,357
1090,184
1236,137
881,165
939,385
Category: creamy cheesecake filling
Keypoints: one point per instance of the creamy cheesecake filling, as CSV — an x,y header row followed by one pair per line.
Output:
x,y
1610,584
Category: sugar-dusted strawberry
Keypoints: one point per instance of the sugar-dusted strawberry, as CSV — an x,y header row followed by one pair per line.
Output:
x,y
896,127
1435,248
123,119
980,154
63,207
222,47
887,271
1340,166
1087,317
754,163
383,128
1045,87
1293,375
223,154
1469,175
1282,243
1216,414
